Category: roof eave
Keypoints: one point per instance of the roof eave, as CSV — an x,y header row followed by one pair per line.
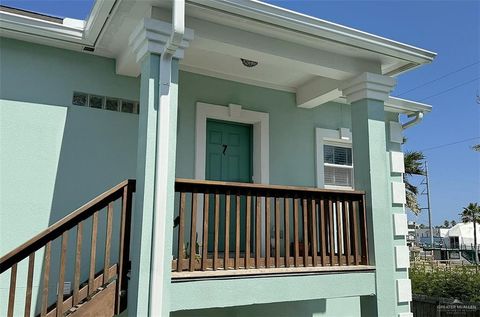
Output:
x,y
295,21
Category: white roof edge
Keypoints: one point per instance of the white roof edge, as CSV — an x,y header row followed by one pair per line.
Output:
x,y
305,23
395,104
81,32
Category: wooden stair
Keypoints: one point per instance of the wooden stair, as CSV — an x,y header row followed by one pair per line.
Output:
x,y
103,293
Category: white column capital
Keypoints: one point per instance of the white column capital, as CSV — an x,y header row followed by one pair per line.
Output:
x,y
151,36
368,86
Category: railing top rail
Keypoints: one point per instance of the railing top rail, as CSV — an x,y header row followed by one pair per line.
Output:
x,y
207,185
63,225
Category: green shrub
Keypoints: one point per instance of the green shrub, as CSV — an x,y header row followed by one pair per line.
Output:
x,y
461,282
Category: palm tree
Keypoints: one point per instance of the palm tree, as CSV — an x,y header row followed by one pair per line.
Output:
x,y
446,224
413,166
471,213
476,147
453,223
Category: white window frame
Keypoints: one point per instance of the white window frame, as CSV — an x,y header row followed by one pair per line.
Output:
x,y
341,137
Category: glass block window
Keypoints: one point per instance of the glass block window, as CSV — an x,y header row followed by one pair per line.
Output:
x,y
96,101
338,166
112,104
128,106
80,99
104,102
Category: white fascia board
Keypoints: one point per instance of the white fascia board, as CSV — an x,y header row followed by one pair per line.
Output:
x,y
16,22
71,31
306,24
394,104
398,105
101,11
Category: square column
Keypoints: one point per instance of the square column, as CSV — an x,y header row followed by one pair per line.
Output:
x,y
152,226
367,94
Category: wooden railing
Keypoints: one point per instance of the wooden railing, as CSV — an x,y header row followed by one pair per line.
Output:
x,y
116,272
238,226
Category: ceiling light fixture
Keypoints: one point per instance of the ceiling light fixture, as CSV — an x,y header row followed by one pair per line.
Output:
x,y
248,63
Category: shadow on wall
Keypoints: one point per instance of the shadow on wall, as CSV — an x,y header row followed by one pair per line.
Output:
x,y
98,151
309,308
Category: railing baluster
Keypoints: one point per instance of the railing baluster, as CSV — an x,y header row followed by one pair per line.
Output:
x,y
237,231
339,230
267,232
93,253
353,210
61,275
28,293
295,231
108,243
206,208
346,230
258,231
11,293
277,232
286,203
181,231
46,278
364,230
323,229
314,232
78,256
248,231
305,232
226,253
216,231
193,233
331,231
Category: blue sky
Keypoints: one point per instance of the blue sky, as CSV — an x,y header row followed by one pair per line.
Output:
x,y
449,28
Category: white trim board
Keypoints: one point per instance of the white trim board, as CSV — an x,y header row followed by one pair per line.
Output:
x,y
234,113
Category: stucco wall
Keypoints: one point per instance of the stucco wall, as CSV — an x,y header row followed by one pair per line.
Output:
x,y
54,157
338,307
292,129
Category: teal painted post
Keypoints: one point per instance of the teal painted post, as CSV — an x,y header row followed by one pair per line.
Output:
x,y
371,175
138,288
138,297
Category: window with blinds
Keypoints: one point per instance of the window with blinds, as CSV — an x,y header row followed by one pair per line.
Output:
x,y
338,165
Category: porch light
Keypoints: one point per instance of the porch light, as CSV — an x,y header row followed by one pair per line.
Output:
x,y
249,63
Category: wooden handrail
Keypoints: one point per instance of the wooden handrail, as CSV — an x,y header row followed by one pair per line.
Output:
x,y
64,224
208,185
245,226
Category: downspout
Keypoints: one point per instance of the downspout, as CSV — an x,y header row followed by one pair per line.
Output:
x,y
157,265
418,116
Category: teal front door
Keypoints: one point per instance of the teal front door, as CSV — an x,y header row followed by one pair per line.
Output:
x,y
228,158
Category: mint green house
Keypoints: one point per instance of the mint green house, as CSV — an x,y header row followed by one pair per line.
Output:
x,y
201,158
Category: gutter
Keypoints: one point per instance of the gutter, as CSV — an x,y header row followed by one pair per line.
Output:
x,y
418,116
157,267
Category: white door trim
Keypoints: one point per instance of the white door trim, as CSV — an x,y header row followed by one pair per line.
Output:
x,y
234,113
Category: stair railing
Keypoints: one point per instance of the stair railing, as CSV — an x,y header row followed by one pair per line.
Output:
x,y
96,280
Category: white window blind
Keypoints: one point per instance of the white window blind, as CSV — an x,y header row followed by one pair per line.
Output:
x,y
338,167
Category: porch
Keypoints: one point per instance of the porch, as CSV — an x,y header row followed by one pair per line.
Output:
x,y
238,229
